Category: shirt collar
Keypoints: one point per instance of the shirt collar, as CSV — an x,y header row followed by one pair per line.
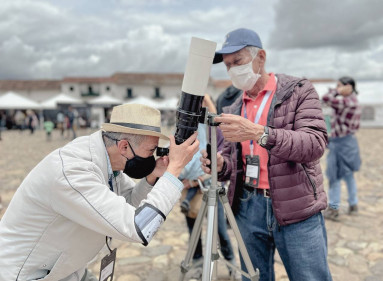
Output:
x,y
270,86
110,170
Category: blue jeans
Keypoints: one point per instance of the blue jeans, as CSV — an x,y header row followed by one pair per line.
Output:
x,y
224,239
302,246
191,192
334,191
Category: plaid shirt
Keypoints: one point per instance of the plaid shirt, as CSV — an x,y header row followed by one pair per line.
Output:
x,y
345,119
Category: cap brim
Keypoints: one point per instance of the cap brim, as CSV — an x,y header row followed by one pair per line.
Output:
x,y
121,129
226,50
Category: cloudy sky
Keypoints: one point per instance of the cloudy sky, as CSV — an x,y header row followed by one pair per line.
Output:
x,y
312,38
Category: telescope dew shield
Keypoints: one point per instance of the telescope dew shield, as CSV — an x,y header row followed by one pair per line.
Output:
x,y
196,78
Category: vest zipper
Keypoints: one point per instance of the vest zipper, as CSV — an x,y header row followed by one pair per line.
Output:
x,y
311,181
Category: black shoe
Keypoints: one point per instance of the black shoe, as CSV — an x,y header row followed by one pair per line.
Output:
x,y
353,210
185,207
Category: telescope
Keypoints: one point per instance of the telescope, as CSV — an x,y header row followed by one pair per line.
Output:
x,y
194,84
196,78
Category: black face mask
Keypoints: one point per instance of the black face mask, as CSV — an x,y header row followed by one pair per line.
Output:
x,y
139,167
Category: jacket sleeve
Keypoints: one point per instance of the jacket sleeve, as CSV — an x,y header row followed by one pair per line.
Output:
x,y
224,175
81,195
307,140
339,102
133,192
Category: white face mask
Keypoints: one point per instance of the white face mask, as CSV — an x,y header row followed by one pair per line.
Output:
x,y
243,76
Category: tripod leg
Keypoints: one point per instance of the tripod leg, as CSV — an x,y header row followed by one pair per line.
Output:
x,y
214,251
193,241
252,274
207,263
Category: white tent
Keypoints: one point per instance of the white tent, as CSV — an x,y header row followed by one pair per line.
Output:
x,y
60,99
105,100
144,101
168,104
12,100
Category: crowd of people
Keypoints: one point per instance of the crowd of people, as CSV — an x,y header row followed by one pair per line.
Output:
x,y
67,121
272,133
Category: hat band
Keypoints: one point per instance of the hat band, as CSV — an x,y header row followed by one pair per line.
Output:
x,y
139,126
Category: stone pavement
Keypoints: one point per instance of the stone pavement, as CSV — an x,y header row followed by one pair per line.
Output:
x,y
355,244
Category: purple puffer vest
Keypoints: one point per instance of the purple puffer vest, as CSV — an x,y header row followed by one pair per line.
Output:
x,y
297,139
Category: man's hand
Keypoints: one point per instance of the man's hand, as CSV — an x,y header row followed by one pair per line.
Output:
x,y
205,161
186,183
238,129
161,165
180,155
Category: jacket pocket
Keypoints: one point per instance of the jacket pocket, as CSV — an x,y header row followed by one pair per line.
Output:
x,y
49,269
312,182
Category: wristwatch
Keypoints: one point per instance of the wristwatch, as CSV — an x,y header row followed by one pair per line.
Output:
x,y
263,139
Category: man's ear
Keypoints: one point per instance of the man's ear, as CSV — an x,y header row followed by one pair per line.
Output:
x,y
122,146
262,57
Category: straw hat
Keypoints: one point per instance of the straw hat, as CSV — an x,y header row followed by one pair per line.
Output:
x,y
135,119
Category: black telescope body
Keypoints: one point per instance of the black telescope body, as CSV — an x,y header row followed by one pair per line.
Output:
x,y
187,116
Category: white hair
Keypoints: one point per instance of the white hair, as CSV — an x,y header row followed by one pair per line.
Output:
x,y
252,50
111,137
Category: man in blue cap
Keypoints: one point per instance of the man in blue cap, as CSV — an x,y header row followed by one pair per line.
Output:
x,y
275,134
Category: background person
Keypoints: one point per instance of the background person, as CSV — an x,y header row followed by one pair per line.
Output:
x,y
227,97
274,137
48,127
32,121
343,158
78,195
71,121
61,122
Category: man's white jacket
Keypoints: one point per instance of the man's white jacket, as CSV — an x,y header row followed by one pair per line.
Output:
x,y
60,215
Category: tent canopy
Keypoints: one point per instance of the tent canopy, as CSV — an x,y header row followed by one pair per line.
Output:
x,y
168,104
12,100
105,100
60,99
144,101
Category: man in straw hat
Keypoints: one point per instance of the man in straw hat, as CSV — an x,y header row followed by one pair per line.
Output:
x,y
77,197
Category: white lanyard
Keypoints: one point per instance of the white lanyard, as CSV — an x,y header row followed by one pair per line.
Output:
x,y
259,112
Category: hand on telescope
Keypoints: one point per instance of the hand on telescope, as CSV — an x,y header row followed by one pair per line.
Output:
x,y
238,129
205,161
180,155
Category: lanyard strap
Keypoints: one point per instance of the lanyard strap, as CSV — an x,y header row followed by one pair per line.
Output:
x,y
261,107
258,115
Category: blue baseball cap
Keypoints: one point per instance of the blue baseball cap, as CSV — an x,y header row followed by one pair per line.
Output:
x,y
237,40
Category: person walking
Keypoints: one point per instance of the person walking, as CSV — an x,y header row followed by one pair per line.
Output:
x,y
344,157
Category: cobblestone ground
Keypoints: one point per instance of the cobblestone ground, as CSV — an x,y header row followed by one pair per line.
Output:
x,y
355,243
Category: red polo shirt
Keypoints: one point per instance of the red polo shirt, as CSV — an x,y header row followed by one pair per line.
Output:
x,y
252,106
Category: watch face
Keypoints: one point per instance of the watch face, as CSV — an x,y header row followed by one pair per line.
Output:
x,y
264,140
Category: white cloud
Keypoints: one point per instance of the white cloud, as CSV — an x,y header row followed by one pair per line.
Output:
x,y
53,39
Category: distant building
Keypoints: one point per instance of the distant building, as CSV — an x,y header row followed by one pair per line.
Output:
x,y
162,86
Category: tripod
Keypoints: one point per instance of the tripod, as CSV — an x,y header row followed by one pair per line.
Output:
x,y
209,205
